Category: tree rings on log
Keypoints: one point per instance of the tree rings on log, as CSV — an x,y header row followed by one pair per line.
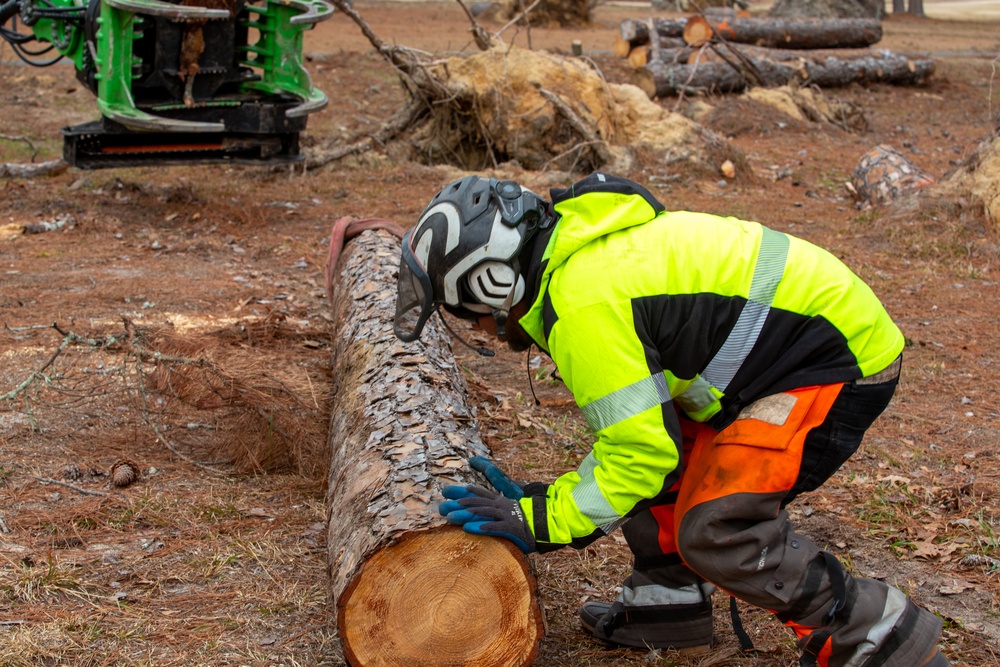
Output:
x,y
427,601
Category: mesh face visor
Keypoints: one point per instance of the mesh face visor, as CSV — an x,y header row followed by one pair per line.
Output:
x,y
414,295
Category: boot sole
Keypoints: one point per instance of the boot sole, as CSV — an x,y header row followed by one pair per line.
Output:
x,y
700,649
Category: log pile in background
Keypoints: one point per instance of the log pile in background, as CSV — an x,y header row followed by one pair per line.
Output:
x,y
409,590
731,53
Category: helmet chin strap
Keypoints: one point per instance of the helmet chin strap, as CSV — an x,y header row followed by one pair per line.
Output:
x,y
482,351
501,314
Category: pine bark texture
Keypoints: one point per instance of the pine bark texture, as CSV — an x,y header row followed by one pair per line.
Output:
x,y
658,79
786,33
635,32
409,589
829,8
733,52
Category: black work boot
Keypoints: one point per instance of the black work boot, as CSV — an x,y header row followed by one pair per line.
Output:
x,y
683,627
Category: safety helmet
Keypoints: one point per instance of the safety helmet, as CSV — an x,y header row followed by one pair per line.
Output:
x,y
463,252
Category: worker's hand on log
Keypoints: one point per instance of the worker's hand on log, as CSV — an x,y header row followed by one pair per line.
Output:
x,y
480,511
504,484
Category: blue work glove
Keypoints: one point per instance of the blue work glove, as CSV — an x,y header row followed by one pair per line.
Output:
x,y
504,484
480,511
501,482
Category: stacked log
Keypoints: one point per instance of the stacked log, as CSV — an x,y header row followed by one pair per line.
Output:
x,y
408,589
731,53
781,33
659,79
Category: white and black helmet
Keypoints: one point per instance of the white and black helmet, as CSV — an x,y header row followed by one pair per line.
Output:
x,y
463,252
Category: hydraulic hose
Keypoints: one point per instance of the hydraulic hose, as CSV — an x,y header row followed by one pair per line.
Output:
x,y
9,9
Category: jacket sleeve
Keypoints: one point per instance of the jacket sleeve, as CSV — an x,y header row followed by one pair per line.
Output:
x,y
628,407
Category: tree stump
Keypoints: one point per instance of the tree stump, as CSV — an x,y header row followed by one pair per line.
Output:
x,y
409,590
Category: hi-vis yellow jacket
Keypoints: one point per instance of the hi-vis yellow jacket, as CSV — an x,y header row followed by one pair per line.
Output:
x,y
644,309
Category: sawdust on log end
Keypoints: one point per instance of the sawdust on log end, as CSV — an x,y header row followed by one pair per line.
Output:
x,y
427,600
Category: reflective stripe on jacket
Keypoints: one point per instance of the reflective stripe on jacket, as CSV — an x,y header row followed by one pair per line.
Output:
x,y
643,309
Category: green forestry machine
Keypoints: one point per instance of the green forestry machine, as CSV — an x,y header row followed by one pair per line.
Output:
x,y
178,82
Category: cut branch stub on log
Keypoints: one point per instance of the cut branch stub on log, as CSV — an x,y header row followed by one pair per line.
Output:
x,y
658,79
785,33
400,429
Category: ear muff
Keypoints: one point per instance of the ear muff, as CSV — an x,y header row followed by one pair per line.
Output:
x,y
491,282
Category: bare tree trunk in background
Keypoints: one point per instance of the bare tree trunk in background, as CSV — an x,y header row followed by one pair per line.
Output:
x,y
916,7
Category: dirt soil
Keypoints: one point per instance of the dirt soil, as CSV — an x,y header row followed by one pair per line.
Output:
x,y
176,318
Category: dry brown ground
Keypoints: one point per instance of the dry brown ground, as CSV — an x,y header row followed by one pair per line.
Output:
x,y
223,266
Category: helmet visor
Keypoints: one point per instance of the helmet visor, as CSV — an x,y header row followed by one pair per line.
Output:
x,y
414,295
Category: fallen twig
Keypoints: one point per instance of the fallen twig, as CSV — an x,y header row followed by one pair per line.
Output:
x,y
86,492
31,145
399,122
47,168
37,374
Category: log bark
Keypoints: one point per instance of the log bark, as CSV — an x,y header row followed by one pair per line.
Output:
x,y
730,52
828,9
636,32
658,79
680,55
407,588
786,33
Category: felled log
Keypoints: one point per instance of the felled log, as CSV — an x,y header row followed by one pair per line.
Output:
x,y
827,9
633,33
732,52
408,589
658,79
786,33
674,55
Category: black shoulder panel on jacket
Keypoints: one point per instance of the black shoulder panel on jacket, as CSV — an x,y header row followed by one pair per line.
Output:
x,y
601,182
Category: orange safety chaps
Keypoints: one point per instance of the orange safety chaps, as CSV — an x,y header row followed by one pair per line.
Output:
x,y
729,527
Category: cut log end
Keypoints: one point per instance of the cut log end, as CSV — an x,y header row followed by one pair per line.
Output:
x,y
639,56
442,597
697,31
643,79
622,48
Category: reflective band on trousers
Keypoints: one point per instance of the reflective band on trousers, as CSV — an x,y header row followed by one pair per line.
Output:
x,y
895,606
651,391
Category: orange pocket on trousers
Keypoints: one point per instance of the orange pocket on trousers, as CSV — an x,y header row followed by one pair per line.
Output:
x,y
770,422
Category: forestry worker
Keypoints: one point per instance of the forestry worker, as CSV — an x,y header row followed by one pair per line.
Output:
x,y
724,369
